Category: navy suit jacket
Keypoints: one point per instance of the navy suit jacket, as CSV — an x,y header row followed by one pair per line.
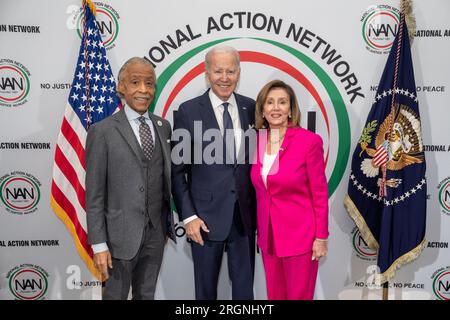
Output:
x,y
210,190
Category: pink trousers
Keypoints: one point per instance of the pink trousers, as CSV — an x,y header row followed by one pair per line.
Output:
x,y
290,278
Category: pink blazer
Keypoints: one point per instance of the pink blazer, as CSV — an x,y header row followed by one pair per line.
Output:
x,y
296,197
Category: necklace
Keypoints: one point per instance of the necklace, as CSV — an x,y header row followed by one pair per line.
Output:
x,y
277,141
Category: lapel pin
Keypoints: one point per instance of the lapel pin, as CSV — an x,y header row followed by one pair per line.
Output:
x,y
168,140
159,123
244,108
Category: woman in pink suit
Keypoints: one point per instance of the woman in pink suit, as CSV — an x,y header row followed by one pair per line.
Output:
x,y
292,195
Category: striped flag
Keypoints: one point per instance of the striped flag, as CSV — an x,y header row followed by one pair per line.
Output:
x,y
91,99
381,156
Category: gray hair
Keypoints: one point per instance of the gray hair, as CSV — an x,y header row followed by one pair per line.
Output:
x,y
131,61
124,68
222,49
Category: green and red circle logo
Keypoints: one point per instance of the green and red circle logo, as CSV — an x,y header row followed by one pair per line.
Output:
x,y
20,192
28,282
441,283
363,251
444,195
263,60
379,27
107,22
14,83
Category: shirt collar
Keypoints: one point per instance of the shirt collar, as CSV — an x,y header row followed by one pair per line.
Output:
x,y
133,115
217,102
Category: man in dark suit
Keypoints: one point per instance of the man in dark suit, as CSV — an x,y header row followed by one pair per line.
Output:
x,y
214,195
128,188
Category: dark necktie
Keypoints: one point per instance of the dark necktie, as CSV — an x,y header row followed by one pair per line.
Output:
x,y
228,125
145,134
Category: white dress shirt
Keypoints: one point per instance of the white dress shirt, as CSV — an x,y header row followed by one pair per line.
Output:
x,y
133,119
267,164
234,113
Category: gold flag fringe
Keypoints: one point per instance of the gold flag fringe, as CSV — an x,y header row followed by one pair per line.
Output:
x,y
80,248
91,6
360,223
406,8
404,259
373,243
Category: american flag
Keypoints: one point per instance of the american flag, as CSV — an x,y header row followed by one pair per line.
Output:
x,y
380,159
381,156
91,99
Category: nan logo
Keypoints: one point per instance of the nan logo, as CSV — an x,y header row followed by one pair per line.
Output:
x,y
444,195
28,282
361,248
379,28
441,283
107,22
20,192
14,83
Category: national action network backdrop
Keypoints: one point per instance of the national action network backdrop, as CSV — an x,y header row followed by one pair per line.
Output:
x,y
334,67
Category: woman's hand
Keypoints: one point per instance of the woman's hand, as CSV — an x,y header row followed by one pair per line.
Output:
x,y
320,249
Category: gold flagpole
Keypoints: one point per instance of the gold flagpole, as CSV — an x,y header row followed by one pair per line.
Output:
x,y
386,290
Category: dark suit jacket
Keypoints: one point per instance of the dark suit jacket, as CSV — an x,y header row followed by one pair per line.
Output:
x,y
210,190
115,184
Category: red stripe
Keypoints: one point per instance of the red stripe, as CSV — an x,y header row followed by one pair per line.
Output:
x,y
68,208
74,140
380,150
380,147
194,72
379,163
380,160
71,175
380,155
293,72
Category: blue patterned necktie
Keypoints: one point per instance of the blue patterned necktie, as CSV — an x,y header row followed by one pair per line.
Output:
x,y
228,125
145,134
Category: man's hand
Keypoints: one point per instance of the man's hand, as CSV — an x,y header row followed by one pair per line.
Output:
x,y
193,230
102,261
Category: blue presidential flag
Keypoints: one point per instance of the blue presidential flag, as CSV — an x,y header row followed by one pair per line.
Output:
x,y
387,187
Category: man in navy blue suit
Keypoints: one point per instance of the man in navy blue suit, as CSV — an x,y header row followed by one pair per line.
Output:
x,y
213,192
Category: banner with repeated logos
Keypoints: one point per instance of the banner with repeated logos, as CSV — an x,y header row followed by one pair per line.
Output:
x,y
331,52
